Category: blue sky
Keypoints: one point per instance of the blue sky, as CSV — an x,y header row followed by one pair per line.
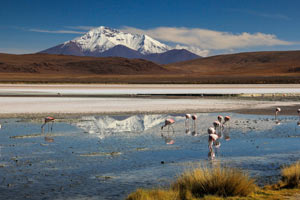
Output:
x,y
215,27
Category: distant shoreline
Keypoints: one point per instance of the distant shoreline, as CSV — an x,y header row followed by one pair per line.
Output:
x,y
71,107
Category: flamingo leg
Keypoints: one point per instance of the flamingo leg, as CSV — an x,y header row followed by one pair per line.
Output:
x,y
172,128
43,125
52,125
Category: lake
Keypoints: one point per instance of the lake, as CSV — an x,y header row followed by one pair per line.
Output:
x,y
110,156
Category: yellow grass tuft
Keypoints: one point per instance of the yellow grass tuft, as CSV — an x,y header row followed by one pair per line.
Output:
x,y
291,176
216,181
202,182
154,194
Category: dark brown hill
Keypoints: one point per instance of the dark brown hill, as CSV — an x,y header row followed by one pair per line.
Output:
x,y
63,64
254,67
244,64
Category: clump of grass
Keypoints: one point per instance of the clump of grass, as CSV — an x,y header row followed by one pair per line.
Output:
x,y
202,182
154,194
214,181
291,175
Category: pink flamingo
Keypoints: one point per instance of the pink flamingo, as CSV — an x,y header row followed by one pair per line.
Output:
x,y
187,123
217,125
220,118
47,120
194,118
276,112
212,137
168,122
187,119
226,119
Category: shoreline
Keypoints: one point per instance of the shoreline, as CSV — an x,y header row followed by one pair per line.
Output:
x,y
21,100
73,107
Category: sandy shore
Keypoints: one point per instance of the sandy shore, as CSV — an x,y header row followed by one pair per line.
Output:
x,y
40,106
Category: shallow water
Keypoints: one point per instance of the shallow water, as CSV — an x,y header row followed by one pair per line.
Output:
x,y
107,157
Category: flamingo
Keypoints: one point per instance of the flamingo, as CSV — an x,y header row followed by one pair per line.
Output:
x,y
168,122
276,112
220,118
217,125
47,120
187,123
187,119
212,137
226,119
194,118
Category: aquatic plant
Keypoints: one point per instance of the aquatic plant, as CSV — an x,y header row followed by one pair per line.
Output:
x,y
291,175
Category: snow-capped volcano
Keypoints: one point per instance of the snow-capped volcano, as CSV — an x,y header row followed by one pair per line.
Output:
x,y
103,38
108,42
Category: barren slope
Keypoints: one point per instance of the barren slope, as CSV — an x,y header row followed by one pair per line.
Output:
x,y
246,64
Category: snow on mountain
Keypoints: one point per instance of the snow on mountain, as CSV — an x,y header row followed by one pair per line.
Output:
x,y
103,38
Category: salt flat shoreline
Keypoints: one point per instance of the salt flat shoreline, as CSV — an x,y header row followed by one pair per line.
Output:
x,y
28,100
145,89
14,107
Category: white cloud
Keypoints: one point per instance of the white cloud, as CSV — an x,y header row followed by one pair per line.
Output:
x,y
208,39
85,28
57,31
198,51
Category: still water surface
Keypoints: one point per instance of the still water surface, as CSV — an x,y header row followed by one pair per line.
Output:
x,y
107,157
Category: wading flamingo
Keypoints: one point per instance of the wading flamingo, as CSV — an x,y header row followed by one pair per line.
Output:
x,y
47,120
194,118
168,139
226,119
212,136
168,122
187,123
217,125
226,132
276,112
187,120
220,118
